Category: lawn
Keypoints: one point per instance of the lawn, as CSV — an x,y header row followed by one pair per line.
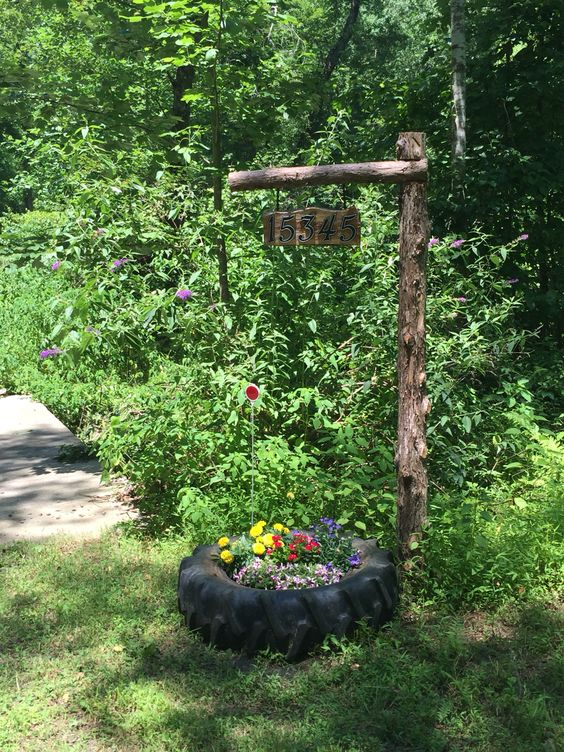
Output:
x,y
93,657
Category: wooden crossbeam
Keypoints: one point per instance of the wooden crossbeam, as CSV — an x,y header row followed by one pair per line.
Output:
x,y
404,171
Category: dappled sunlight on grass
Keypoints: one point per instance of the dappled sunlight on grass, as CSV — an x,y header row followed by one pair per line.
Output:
x,y
94,657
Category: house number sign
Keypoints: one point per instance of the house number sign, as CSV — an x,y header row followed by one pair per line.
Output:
x,y
312,226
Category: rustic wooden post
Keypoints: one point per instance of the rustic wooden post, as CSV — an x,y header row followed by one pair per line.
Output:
x,y
413,402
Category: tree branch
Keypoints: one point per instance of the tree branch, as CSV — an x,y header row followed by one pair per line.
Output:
x,y
332,60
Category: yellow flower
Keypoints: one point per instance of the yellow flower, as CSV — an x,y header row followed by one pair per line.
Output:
x,y
226,556
259,539
258,549
223,541
286,530
290,495
268,539
279,527
257,529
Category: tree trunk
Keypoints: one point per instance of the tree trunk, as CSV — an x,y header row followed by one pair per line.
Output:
x,y
217,162
413,402
181,82
318,116
458,46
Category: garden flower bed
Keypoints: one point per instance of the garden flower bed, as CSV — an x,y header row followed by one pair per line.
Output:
x,y
285,589
277,558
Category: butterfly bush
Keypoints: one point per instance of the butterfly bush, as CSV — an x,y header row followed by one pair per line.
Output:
x,y
277,558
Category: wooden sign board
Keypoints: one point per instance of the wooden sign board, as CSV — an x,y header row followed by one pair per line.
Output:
x,y
312,226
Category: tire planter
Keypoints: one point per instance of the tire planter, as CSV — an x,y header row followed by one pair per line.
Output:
x,y
229,615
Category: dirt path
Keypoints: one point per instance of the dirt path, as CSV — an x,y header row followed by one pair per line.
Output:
x,y
40,495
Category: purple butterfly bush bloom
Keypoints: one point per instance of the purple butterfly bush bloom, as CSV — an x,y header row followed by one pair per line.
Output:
x,y
524,236
456,243
433,241
461,299
184,294
119,262
50,352
55,265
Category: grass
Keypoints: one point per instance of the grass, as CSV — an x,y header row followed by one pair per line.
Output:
x,y
93,658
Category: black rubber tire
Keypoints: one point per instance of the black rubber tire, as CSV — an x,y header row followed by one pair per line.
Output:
x,y
229,615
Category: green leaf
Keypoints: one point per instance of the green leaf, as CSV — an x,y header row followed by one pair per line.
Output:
x,y
194,276
312,325
467,423
149,317
360,526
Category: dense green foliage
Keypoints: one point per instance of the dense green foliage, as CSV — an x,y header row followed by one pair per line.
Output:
x,y
118,119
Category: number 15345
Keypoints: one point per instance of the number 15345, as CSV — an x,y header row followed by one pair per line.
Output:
x,y
312,226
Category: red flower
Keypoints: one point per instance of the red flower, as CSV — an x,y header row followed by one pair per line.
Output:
x,y
278,544
315,544
268,551
307,546
292,557
291,547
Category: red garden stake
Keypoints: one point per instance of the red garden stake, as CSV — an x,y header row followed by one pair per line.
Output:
x,y
252,393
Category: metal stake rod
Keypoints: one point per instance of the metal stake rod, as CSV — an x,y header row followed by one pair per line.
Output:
x,y
252,393
252,464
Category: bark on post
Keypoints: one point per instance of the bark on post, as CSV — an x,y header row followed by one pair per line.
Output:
x,y
405,171
413,402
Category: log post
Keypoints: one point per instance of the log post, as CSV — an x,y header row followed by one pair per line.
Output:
x,y
413,402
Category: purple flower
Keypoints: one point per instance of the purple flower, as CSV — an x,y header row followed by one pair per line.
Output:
x,y
456,243
512,281
92,330
461,299
119,262
331,525
524,236
55,265
354,560
433,241
183,294
50,352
